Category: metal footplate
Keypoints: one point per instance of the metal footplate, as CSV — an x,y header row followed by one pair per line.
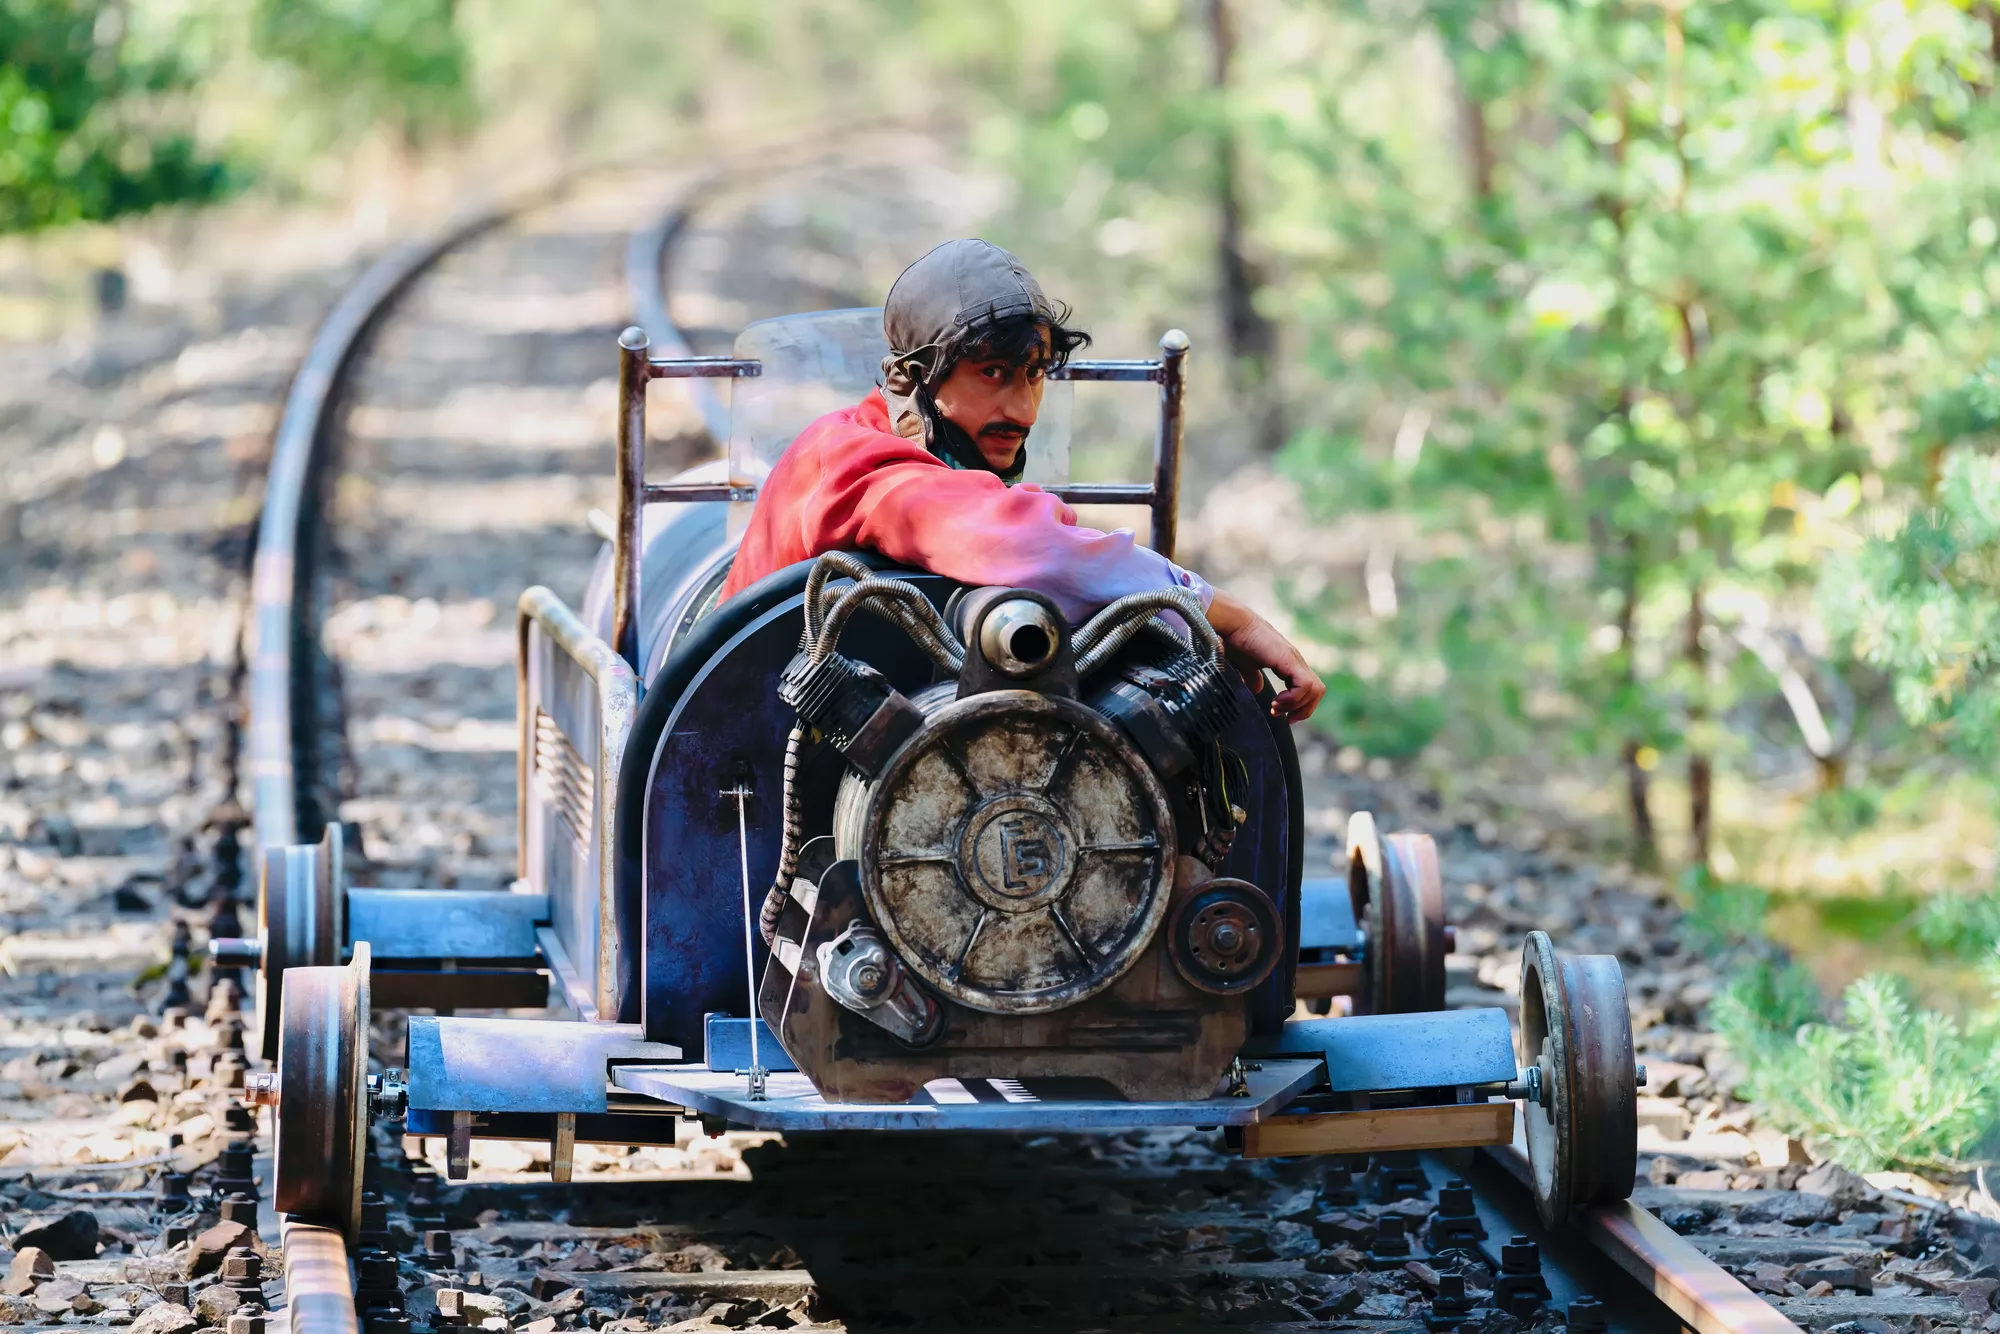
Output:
x,y
1041,1107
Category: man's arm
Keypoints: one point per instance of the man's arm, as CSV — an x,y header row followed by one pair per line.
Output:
x,y
885,494
1254,644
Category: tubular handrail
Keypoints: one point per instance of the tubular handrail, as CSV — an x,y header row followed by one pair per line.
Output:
x,y
617,703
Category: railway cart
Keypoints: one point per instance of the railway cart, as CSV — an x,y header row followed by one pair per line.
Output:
x,y
859,848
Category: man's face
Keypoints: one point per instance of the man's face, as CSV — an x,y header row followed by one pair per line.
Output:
x,y
994,402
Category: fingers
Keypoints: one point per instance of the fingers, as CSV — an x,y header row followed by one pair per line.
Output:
x,y
1304,690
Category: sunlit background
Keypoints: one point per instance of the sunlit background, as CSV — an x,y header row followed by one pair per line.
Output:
x,y
1600,390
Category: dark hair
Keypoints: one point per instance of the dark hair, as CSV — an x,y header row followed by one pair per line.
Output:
x,y
1017,341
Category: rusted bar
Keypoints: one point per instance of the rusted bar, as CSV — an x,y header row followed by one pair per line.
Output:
x,y
319,1292
633,372
1103,493
704,368
617,705
673,492
1167,448
1109,370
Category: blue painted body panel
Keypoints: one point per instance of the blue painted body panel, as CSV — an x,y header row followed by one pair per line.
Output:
x,y
1379,1052
727,1042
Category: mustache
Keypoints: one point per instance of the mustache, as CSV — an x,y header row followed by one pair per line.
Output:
x,y
1005,430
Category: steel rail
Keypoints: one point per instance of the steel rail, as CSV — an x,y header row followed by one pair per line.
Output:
x,y
318,1283
281,572
319,1293
1701,1292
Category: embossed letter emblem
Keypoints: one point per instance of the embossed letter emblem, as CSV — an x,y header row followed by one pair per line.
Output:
x,y
1024,855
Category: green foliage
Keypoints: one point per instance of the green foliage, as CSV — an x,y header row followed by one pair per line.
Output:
x,y
1722,914
1966,926
366,62
1923,604
1885,1085
88,129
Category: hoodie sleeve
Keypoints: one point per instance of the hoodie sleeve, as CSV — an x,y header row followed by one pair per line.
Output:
x,y
888,494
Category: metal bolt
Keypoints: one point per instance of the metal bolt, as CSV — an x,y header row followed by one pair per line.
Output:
x,y
176,1294
1586,1316
175,1235
239,1207
437,1244
1226,937
242,1267
247,1319
869,978
451,1304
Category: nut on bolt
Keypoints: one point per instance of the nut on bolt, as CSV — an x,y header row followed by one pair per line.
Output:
x,y
247,1319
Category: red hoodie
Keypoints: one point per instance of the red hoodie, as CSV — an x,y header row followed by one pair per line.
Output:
x,y
850,483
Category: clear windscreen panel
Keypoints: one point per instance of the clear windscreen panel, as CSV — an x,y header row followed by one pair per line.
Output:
x,y
825,360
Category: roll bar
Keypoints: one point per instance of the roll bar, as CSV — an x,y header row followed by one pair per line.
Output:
x,y
636,369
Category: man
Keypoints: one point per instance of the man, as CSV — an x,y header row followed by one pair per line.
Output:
x,y
924,469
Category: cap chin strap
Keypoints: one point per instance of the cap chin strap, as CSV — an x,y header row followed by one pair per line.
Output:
x,y
914,414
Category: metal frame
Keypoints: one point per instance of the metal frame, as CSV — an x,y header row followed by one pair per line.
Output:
x,y
542,615
636,369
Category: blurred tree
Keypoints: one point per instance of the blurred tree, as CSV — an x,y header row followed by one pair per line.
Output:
x,y
1655,319
370,62
88,123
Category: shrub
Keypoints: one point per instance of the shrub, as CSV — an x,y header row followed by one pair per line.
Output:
x,y
1885,1085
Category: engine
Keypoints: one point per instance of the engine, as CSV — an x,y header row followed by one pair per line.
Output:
x,y
1011,873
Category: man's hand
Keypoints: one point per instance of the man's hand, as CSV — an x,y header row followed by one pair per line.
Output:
x,y
1253,644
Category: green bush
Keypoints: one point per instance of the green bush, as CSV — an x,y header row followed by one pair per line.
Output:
x,y
88,129
1885,1085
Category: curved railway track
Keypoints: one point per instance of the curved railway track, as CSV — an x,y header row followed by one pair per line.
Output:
x,y
387,533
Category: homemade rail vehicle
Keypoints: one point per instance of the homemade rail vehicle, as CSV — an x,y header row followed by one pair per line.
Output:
x,y
870,850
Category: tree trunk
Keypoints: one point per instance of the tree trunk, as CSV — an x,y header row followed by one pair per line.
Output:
x,y
1249,338
1701,767
1638,783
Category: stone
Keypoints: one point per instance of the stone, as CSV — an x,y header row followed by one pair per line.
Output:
x,y
1852,1278
164,1318
1710,1179
546,1325
71,1237
1793,1208
32,1266
214,1304
1845,1188
58,1296
206,1251
1774,1148
1667,1116
1975,1294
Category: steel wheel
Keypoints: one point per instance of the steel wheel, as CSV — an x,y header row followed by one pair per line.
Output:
x,y
322,1094
1577,1032
301,923
1398,895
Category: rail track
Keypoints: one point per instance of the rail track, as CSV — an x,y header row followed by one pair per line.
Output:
x,y
387,530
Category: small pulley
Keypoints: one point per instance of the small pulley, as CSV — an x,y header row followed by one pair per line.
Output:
x,y
1398,895
1582,1119
1225,937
